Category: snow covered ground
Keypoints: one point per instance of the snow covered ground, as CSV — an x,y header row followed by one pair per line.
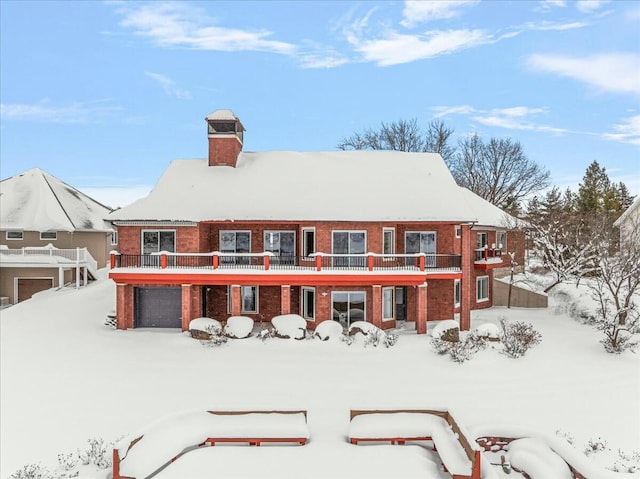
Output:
x,y
65,378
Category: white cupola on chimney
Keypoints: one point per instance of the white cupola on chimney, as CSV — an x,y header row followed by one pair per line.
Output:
x,y
225,133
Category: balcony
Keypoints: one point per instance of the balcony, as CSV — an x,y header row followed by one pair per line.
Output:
x,y
488,258
267,268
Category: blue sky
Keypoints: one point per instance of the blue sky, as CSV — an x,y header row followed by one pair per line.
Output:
x,y
104,95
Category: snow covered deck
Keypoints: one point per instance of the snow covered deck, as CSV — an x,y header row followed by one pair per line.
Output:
x,y
218,266
459,455
49,257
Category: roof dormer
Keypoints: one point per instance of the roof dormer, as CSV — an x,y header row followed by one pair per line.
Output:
x,y
225,134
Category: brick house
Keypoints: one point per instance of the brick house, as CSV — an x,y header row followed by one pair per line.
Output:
x,y
378,236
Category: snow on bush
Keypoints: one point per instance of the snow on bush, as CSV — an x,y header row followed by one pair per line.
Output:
x,y
288,326
536,458
201,324
443,326
361,327
238,327
627,462
32,471
373,335
216,336
460,351
488,331
328,329
98,453
518,337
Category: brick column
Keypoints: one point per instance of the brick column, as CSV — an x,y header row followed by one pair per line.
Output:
x,y
285,299
236,300
466,286
124,306
187,310
421,321
376,305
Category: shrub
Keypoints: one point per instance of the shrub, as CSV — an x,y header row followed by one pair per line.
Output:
x,y
266,333
627,462
347,339
66,462
595,445
96,454
32,471
518,337
216,336
618,339
459,351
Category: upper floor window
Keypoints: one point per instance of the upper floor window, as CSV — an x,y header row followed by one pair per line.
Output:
x,y
482,240
235,241
15,235
154,241
482,288
420,242
49,235
458,231
308,242
349,243
114,238
501,241
282,243
388,241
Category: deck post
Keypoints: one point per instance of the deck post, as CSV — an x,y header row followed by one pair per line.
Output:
x,y
215,261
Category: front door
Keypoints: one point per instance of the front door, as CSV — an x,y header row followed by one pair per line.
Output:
x,y
401,303
348,306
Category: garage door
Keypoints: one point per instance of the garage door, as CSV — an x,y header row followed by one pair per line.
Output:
x,y
27,287
158,307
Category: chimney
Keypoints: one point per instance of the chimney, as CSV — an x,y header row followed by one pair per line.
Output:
x,y
225,133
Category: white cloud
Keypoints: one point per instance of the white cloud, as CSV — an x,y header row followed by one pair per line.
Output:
x,y
169,86
628,131
117,196
553,3
553,26
396,48
174,24
420,11
453,110
589,6
77,112
616,72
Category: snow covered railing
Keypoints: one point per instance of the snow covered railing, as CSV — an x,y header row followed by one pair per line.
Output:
x,y
80,256
269,261
459,456
486,254
143,455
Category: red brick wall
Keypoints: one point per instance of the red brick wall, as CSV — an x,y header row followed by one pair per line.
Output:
x,y
188,238
268,303
224,151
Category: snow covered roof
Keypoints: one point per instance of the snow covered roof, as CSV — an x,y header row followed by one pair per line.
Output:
x,y
486,213
221,115
36,201
311,186
634,206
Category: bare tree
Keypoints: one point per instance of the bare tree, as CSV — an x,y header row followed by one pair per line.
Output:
x,y
437,140
401,135
498,171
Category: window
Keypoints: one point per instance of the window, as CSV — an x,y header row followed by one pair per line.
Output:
x,y
114,238
502,241
482,241
458,231
282,244
456,293
309,303
248,299
388,241
308,242
482,288
154,241
238,242
420,242
348,306
349,243
15,235
48,235
387,304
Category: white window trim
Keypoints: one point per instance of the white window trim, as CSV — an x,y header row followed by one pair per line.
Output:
x,y
14,239
435,241
55,237
242,310
349,292
478,235
264,240
142,232
303,245
458,231
393,242
350,231
478,280
114,238
504,245
302,302
393,303
233,231
459,283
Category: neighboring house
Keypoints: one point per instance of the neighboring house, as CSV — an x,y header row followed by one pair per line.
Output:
x,y
50,234
378,236
629,223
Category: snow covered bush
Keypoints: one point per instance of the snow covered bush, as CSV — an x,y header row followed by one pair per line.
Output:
x,y
328,329
288,326
460,351
238,327
566,436
66,462
518,337
627,462
347,339
199,327
98,453
266,333
595,445
32,471
373,335
488,331
447,330
216,336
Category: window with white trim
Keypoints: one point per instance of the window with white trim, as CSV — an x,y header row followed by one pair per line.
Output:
x,y
457,293
388,241
421,242
349,243
238,242
458,231
248,299
309,303
501,241
482,240
49,235
388,303
308,242
114,238
14,235
482,288
154,241
282,244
